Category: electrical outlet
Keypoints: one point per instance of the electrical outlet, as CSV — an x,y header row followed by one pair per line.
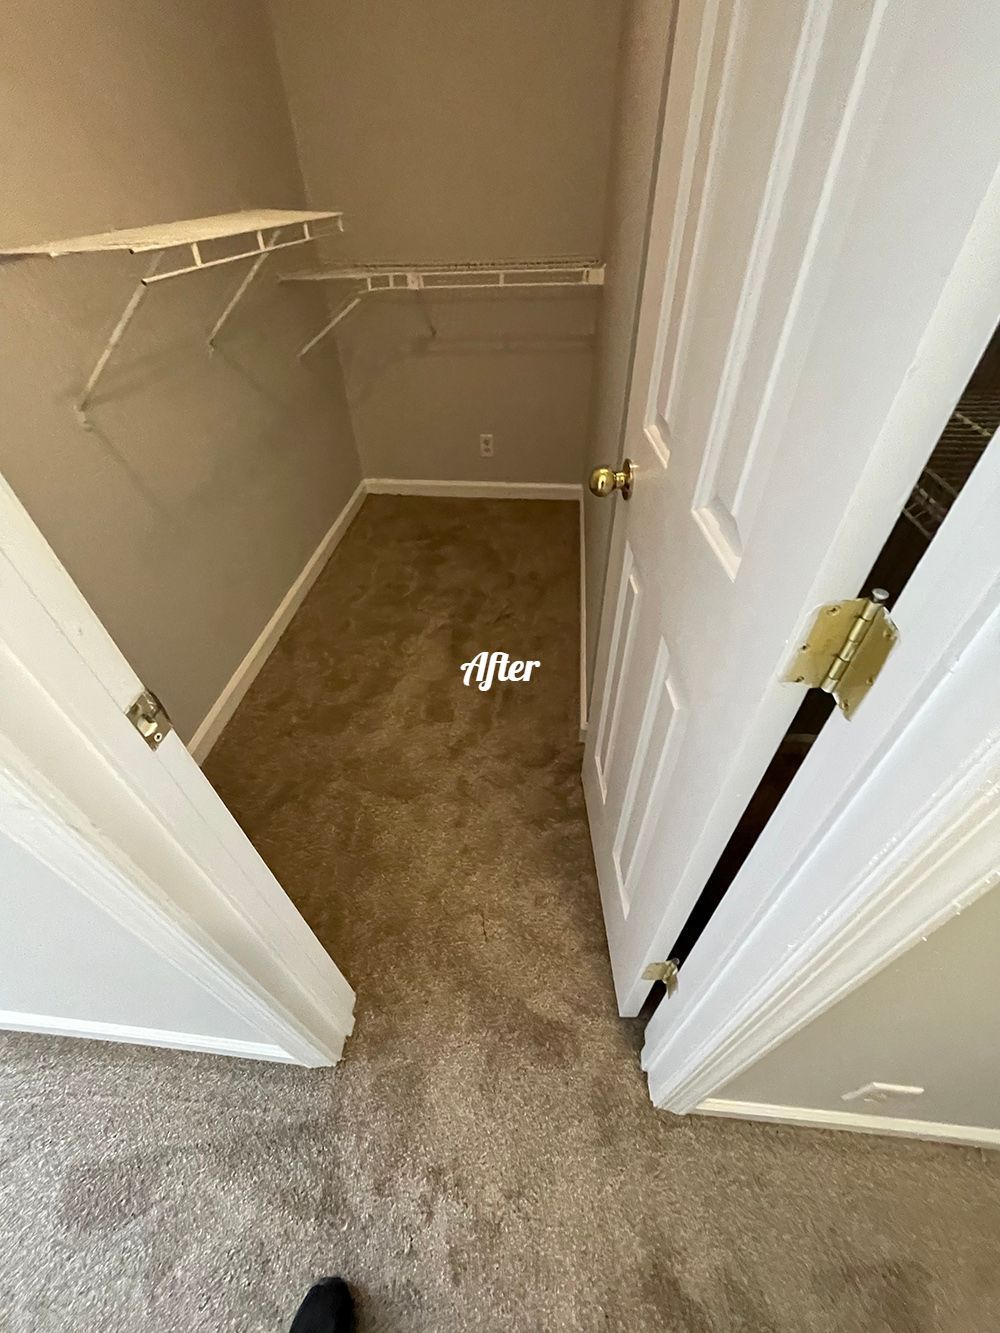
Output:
x,y
486,446
876,1093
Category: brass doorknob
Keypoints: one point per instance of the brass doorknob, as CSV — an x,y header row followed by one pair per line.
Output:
x,y
604,480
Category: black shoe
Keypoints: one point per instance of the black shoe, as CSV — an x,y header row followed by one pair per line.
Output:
x,y
327,1308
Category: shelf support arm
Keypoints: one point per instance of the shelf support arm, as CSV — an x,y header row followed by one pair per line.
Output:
x,y
117,333
331,324
244,286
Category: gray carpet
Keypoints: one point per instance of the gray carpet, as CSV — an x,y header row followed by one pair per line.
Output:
x,y
486,1157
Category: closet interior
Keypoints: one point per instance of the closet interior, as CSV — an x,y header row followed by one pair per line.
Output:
x,y
353,247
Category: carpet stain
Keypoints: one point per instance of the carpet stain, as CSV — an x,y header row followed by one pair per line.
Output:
x,y
486,1156
106,1195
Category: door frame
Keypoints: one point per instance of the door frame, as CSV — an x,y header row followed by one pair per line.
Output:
x,y
141,833
814,912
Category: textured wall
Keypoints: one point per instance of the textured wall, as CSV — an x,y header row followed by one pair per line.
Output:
x,y
449,131
185,515
641,82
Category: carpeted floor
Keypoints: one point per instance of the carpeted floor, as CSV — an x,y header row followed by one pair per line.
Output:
x,y
486,1157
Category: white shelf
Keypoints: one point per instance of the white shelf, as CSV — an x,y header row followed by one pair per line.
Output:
x,y
561,271
178,248
475,275
166,235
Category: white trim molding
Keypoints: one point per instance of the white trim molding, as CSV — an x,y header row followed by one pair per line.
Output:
x,y
11,1021
475,490
583,619
211,726
816,1118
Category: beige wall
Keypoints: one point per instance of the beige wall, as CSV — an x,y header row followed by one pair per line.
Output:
x,y
930,1019
449,131
190,509
641,84
518,367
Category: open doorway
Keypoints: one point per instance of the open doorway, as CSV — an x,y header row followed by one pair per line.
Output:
x,y
968,431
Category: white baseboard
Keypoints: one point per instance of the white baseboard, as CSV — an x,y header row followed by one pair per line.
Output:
x,y
245,674
815,1118
475,490
11,1021
583,623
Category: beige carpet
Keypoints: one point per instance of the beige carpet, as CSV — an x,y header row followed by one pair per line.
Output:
x,y
486,1157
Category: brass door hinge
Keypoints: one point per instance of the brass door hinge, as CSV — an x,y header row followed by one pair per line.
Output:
x,y
845,649
667,972
150,719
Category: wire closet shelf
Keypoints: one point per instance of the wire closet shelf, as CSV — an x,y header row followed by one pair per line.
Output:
x,y
182,247
468,275
963,442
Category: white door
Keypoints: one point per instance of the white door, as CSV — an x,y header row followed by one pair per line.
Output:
x,y
139,835
890,828
821,169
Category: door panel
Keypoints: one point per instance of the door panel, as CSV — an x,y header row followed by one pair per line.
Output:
x,y
627,604
649,771
819,174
